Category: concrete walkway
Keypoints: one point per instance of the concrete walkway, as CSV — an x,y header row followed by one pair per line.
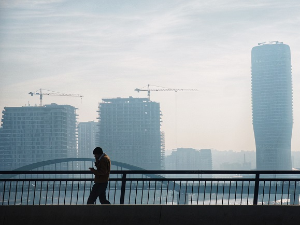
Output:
x,y
149,214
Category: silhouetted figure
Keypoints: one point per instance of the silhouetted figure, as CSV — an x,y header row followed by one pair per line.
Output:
x,y
102,172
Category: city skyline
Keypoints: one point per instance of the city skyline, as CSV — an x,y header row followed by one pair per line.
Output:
x,y
109,48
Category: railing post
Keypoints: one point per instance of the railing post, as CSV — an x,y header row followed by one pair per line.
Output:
x,y
256,187
123,189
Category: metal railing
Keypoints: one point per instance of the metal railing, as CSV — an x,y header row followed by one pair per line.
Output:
x,y
153,187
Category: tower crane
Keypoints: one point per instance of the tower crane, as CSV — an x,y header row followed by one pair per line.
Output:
x,y
162,89
53,93
157,88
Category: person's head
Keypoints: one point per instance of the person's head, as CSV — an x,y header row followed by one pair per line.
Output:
x,y
98,151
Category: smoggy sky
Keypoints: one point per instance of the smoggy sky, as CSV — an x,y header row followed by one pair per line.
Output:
x,y
106,49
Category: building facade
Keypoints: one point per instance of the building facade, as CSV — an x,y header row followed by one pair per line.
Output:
x,y
32,134
129,131
272,105
86,139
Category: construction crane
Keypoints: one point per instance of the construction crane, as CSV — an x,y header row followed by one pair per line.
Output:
x,y
53,93
158,88
162,89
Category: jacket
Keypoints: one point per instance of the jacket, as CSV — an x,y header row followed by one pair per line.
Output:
x,y
103,169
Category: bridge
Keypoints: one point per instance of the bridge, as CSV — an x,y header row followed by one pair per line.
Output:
x,y
69,163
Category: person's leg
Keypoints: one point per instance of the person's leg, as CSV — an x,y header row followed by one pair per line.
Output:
x,y
94,194
102,194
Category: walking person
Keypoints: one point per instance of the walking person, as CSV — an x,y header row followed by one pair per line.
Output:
x,y
102,171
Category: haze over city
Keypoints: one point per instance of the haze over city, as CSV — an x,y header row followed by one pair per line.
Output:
x,y
106,49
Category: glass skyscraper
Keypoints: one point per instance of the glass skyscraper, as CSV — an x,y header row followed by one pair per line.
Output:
x,y
272,109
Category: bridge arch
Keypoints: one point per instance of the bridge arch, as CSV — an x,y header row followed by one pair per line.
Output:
x,y
66,160
119,165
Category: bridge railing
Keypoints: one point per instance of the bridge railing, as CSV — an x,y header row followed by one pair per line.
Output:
x,y
153,187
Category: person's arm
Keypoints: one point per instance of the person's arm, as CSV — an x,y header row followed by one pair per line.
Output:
x,y
102,168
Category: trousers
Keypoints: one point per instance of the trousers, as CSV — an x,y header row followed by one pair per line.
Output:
x,y
98,191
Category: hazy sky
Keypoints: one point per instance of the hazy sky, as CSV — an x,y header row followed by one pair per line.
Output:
x,y
106,49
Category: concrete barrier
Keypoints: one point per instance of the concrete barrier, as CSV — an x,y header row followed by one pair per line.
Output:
x,y
149,214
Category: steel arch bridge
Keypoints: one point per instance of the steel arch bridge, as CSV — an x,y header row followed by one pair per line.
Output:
x,y
42,164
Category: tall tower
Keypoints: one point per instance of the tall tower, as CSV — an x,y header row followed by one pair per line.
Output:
x,y
32,134
129,131
272,108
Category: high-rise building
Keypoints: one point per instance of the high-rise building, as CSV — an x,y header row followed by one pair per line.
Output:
x,y
272,105
86,139
32,134
129,131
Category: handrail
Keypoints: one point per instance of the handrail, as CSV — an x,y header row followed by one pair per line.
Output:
x,y
260,188
156,172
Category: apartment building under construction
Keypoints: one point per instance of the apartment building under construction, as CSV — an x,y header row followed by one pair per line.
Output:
x,y
129,131
32,134
86,138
